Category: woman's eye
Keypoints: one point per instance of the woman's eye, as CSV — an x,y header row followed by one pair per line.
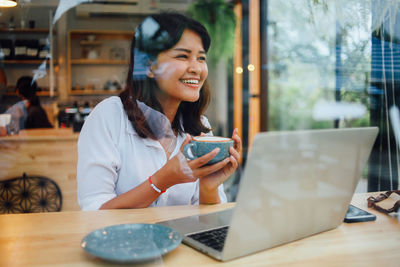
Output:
x,y
181,56
202,58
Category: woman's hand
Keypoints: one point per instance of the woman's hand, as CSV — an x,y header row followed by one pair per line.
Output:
x,y
179,170
209,183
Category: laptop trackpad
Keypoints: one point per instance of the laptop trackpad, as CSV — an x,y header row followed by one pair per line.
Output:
x,y
196,223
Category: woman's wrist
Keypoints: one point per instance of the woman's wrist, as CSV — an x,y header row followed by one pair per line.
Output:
x,y
208,195
155,188
169,175
161,180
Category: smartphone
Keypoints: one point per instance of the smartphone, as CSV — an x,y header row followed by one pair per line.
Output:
x,y
355,214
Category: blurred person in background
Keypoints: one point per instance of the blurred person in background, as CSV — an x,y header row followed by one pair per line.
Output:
x,y
27,113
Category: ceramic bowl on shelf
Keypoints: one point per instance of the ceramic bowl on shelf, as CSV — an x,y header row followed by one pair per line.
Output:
x,y
91,37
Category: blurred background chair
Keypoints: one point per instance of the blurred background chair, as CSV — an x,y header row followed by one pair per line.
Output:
x,y
28,194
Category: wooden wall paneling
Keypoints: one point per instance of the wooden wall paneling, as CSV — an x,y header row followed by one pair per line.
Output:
x,y
55,159
238,72
254,69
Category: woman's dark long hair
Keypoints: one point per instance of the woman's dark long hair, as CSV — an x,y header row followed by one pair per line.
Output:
x,y
165,31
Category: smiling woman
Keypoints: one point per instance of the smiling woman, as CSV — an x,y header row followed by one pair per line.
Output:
x,y
130,146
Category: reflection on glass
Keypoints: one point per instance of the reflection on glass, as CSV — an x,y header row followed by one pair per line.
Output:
x,y
319,52
336,64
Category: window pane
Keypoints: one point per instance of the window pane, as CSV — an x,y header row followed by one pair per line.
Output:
x,y
336,64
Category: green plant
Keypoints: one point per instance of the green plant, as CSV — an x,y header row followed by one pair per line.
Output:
x,y
220,21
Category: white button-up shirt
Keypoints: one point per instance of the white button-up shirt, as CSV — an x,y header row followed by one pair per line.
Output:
x,y
113,159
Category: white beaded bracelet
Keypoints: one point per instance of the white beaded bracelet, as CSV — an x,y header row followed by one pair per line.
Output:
x,y
158,190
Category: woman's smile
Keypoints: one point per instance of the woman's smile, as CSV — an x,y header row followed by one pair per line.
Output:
x,y
192,83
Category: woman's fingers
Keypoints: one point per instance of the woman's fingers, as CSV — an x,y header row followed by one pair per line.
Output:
x,y
187,140
206,170
238,141
234,161
234,153
228,165
199,162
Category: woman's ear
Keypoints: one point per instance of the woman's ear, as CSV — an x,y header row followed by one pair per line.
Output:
x,y
149,70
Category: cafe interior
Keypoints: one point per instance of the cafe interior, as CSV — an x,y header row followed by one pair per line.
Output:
x,y
310,87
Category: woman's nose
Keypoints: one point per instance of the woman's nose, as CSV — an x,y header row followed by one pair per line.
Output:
x,y
194,66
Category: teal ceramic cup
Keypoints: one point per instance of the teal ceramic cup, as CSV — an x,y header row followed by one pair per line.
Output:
x,y
201,145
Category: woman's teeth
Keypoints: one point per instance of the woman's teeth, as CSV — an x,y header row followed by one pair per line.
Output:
x,y
190,81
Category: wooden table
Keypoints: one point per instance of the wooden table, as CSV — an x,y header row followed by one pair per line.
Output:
x,y
53,239
44,152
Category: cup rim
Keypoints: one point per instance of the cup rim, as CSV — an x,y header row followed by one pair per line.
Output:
x,y
226,139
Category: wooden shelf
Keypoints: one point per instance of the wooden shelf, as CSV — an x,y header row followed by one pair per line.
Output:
x,y
25,61
101,68
25,30
17,67
98,62
39,93
102,34
94,92
93,43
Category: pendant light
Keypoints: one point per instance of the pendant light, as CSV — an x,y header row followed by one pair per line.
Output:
x,y
8,3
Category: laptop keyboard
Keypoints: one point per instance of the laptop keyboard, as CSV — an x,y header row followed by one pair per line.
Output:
x,y
214,238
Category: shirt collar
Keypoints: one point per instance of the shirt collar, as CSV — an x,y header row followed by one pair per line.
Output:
x,y
150,142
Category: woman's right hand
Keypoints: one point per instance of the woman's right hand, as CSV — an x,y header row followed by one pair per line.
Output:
x,y
177,170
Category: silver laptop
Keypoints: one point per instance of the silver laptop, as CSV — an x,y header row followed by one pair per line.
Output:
x,y
295,184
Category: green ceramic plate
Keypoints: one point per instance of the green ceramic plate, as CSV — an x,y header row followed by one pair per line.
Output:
x,y
126,243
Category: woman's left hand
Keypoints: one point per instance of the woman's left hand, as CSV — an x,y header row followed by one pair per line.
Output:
x,y
210,183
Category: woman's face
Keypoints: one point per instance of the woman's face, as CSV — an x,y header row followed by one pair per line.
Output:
x,y
180,72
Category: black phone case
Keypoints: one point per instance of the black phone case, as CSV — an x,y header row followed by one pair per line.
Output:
x,y
355,214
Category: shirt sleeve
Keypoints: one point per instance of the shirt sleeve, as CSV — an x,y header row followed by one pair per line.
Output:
x,y
98,157
18,114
